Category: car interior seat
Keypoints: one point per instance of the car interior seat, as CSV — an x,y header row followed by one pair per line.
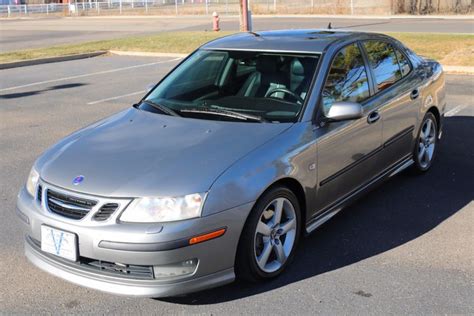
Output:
x,y
266,77
301,76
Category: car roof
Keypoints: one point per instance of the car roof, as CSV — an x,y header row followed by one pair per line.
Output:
x,y
302,41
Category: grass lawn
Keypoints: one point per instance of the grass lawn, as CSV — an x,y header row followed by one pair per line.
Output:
x,y
449,49
169,42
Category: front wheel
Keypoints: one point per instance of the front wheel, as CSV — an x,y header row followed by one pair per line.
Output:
x,y
270,236
425,148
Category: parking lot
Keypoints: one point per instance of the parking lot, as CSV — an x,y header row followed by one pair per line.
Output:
x,y
407,247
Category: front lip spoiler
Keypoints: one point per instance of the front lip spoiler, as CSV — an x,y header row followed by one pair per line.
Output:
x,y
122,286
151,247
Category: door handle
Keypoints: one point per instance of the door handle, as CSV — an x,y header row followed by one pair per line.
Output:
x,y
373,117
414,94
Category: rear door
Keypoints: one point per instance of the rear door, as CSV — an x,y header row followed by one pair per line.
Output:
x,y
397,92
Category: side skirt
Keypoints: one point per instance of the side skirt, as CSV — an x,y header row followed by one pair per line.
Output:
x,y
336,207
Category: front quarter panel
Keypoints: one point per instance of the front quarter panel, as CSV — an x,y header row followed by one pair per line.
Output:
x,y
289,155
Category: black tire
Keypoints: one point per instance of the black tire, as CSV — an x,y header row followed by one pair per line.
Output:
x,y
246,262
422,165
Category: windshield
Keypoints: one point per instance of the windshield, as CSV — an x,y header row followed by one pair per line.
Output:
x,y
236,86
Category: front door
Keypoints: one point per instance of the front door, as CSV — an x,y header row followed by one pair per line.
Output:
x,y
348,150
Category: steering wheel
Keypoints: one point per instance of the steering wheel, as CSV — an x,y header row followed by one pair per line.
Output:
x,y
284,90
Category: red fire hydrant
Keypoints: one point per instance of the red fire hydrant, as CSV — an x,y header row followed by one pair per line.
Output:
x,y
215,21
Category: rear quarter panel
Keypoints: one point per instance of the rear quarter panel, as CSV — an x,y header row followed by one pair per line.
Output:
x,y
433,89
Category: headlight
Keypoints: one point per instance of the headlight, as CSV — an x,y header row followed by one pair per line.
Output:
x,y
165,209
32,181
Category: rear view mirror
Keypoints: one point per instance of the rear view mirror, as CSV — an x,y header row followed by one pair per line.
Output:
x,y
341,111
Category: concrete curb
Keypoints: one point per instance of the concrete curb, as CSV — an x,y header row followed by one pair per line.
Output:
x,y
325,16
146,54
447,69
459,70
38,61
368,17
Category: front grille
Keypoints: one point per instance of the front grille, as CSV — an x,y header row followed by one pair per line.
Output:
x,y
105,211
130,270
67,205
39,194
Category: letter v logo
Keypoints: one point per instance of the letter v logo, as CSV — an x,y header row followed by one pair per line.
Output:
x,y
57,244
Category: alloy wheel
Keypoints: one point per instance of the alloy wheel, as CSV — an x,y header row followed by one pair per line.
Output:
x,y
426,143
275,235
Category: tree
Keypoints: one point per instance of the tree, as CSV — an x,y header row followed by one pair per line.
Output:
x,y
413,6
457,6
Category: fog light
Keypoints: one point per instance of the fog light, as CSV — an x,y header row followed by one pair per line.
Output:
x,y
175,270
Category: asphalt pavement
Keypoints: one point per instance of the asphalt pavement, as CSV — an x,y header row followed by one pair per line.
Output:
x,y
405,248
18,34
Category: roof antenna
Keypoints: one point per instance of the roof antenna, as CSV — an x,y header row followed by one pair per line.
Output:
x,y
329,26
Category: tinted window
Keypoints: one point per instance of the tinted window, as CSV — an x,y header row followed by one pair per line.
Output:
x,y
383,62
347,79
207,69
243,68
214,85
201,74
403,62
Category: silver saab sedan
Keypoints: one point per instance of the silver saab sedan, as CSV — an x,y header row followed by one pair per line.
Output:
x,y
251,142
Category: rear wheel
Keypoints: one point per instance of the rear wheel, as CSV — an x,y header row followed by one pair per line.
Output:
x,y
425,148
270,236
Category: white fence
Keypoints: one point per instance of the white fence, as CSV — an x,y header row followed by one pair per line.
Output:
x,y
199,7
231,7
113,7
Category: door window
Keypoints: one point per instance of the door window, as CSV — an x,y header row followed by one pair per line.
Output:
x,y
384,63
347,79
403,62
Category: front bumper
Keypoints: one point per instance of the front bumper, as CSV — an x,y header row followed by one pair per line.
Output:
x,y
117,285
216,257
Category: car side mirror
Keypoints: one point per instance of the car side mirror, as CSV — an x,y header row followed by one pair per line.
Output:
x,y
149,87
342,111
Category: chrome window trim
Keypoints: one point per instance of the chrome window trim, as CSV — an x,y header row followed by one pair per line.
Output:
x,y
263,50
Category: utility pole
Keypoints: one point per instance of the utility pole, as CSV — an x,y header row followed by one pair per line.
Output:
x,y
244,15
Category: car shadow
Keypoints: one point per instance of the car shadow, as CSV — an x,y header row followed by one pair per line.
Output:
x,y
35,92
398,211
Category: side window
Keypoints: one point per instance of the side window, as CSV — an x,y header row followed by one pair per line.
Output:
x,y
383,62
403,62
347,79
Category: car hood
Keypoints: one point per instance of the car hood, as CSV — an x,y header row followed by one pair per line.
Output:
x,y
137,153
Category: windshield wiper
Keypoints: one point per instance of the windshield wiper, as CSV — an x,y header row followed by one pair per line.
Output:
x,y
227,113
162,108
